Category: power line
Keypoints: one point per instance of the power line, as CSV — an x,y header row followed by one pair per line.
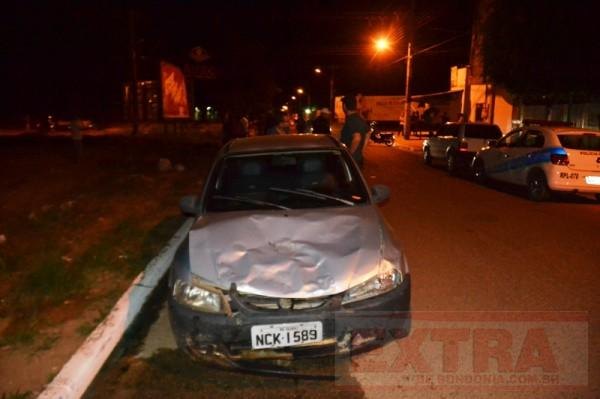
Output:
x,y
431,47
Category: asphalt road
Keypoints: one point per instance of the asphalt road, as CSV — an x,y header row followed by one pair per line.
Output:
x,y
505,301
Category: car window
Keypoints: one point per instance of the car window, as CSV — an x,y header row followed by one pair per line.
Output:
x,y
449,130
488,132
584,141
510,140
533,139
289,180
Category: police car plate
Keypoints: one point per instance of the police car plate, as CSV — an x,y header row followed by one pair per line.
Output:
x,y
287,334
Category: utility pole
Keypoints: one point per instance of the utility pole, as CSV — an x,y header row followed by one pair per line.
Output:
x,y
134,73
332,92
407,93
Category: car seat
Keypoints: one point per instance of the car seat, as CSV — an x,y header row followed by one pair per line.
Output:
x,y
312,173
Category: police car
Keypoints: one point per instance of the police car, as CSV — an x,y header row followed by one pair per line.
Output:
x,y
543,159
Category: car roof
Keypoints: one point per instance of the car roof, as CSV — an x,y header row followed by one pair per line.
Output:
x,y
566,129
281,142
469,123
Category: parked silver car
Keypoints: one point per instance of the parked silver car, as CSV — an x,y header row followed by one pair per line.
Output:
x,y
288,256
457,143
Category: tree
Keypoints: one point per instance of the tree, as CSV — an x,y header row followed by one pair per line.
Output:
x,y
543,49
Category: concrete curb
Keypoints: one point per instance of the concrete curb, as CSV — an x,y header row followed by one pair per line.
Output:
x,y
78,373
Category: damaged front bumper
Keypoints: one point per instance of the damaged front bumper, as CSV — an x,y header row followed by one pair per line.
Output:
x,y
350,328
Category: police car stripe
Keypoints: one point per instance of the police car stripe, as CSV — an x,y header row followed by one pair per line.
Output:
x,y
529,159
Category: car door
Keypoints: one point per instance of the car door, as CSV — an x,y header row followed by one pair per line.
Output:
x,y
498,159
523,155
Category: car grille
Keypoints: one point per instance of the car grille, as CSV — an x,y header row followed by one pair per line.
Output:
x,y
268,303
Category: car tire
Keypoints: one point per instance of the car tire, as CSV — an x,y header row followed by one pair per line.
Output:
x,y
389,142
426,156
478,172
451,163
537,186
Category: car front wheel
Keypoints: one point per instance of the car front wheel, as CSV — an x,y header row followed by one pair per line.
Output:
x,y
537,187
451,163
427,156
479,171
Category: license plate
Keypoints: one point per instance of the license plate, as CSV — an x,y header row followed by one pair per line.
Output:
x,y
287,334
593,180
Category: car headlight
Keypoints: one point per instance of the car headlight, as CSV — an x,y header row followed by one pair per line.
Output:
x,y
388,278
199,297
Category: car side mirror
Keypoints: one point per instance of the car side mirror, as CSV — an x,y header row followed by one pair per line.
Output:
x,y
380,193
492,143
189,205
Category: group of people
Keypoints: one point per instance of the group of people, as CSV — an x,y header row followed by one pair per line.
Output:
x,y
284,124
354,133
236,126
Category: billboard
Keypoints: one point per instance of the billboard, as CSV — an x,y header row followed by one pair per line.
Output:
x,y
174,94
376,108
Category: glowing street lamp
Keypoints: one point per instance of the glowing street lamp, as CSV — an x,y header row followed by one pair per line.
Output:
x,y
300,90
293,97
382,44
318,71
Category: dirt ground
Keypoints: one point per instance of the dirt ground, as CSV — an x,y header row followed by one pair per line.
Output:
x,y
74,234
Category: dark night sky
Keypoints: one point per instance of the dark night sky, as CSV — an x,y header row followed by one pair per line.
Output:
x,y
68,57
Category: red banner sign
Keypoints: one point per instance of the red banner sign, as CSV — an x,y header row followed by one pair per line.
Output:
x,y
174,94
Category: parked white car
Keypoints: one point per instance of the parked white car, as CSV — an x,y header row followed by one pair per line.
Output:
x,y
544,159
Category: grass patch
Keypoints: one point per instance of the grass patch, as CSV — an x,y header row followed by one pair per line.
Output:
x,y
17,395
47,343
51,282
157,237
86,329
128,248
51,376
18,338
47,221
114,251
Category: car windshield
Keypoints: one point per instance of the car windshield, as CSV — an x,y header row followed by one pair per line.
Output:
x,y
584,141
288,180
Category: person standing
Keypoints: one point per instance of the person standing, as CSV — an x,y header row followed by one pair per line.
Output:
x,y
77,137
321,123
301,125
355,129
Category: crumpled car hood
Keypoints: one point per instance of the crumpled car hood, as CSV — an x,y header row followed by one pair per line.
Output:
x,y
301,253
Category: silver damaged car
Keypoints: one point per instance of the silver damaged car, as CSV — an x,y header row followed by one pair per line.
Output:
x,y
288,256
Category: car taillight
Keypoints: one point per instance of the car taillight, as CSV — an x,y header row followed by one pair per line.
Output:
x,y
559,159
464,146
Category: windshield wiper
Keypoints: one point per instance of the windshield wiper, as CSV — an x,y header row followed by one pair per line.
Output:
x,y
250,201
312,194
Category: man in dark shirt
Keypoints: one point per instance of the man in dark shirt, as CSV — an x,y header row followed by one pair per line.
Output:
x,y
355,129
321,122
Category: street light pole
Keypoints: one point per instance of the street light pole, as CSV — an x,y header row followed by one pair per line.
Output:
x,y
406,132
